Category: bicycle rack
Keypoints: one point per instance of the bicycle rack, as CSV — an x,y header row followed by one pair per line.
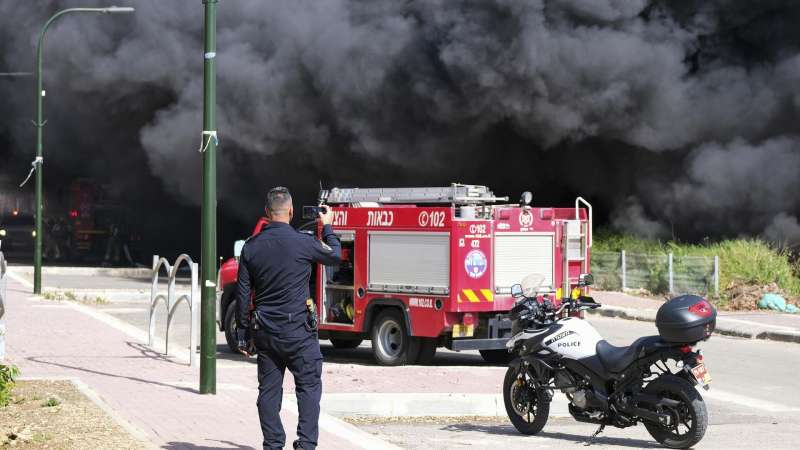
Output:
x,y
171,302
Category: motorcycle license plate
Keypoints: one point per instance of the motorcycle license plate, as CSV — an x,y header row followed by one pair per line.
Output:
x,y
701,374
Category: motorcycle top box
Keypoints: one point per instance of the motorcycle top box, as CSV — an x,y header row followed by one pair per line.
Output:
x,y
686,319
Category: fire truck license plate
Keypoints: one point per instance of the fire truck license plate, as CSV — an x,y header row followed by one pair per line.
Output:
x,y
700,373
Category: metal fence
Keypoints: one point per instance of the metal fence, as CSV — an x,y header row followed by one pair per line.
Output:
x,y
656,273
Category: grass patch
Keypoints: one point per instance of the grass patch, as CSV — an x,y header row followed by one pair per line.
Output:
x,y
8,376
749,262
56,296
71,296
51,402
75,422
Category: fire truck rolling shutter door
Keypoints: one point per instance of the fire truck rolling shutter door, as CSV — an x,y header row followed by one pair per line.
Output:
x,y
409,262
519,255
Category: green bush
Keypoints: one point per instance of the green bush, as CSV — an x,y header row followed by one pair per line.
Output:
x,y
748,261
7,376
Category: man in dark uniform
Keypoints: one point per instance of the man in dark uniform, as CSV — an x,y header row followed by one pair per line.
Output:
x,y
276,266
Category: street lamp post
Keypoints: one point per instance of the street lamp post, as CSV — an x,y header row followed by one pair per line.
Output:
x,y
39,124
208,257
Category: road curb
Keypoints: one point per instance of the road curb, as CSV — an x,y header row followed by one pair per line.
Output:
x,y
95,398
125,272
725,329
105,295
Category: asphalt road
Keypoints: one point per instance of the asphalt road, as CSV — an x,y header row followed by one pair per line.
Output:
x,y
754,403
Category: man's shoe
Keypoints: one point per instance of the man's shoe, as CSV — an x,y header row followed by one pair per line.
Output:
x,y
297,446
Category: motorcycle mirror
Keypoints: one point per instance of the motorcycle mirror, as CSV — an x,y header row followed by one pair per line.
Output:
x,y
585,279
526,198
516,291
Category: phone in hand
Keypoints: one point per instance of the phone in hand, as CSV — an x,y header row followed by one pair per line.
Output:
x,y
312,212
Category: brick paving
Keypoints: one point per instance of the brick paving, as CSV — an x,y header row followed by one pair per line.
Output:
x,y
156,395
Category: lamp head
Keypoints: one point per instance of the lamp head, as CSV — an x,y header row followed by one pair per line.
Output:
x,y
118,9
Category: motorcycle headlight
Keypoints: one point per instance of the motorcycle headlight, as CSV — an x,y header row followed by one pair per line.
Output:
x,y
33,233
2,232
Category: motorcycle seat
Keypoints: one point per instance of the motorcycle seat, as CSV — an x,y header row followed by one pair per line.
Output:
x,y
616,359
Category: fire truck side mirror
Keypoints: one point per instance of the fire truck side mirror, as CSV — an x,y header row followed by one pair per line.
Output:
x,y
585,279
525,199
516,291
237,249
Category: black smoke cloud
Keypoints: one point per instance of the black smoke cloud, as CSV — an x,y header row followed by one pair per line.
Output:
x,y
676,117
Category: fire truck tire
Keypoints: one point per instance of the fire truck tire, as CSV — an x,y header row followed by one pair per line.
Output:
x,y
230,328
427,350
496,356
391,343
346,343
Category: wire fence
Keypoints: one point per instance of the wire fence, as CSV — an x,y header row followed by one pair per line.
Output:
x,y
656,273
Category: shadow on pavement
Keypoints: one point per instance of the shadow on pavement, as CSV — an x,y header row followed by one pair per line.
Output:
x,y
148,352
190,446
41,360
363,356
509,430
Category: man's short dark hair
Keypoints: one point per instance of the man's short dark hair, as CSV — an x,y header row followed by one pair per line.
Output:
x,y
278,200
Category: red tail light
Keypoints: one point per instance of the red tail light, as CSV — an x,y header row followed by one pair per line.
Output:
x,y
73,213
686,349
701,309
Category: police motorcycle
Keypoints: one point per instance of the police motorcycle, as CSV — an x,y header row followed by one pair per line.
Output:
x,y
652,381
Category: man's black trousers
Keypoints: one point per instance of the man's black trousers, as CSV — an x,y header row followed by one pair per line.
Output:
x,y
299,352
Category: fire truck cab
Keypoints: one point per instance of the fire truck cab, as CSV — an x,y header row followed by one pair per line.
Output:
x,y
424,268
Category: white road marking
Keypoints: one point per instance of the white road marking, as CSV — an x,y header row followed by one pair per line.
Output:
x,y
749,402
359,438
19,279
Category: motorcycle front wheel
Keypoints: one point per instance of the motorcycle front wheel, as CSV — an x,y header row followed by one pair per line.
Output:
x,y
527,407
690,417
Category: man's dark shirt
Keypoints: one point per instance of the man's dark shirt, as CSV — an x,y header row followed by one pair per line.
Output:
x,y
276,264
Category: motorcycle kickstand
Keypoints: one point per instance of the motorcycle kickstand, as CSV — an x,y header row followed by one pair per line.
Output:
x,y
594,436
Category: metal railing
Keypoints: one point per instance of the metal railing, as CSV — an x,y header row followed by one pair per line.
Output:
x,y
3,292
656,273
171,301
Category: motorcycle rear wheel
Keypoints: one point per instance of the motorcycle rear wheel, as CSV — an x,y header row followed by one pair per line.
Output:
x,y
692,413
527,408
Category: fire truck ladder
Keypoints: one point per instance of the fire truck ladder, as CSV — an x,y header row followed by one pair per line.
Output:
x,y
457,194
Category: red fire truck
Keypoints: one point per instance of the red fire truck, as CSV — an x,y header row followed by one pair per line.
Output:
x,y
424,268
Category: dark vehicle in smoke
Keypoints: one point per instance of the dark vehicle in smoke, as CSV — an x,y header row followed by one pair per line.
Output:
x,y
652,381
17,232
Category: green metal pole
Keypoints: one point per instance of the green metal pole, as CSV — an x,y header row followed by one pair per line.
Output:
x,y
38,163
208,257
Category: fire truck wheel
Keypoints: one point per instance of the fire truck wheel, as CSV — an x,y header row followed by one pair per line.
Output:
x,y
391,344
496,356
427,350
346,343
230,328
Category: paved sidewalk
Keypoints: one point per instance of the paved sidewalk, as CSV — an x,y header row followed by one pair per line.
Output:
x,y
754,325
148,392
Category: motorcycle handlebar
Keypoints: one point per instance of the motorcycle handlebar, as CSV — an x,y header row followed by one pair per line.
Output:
x,y
543,310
